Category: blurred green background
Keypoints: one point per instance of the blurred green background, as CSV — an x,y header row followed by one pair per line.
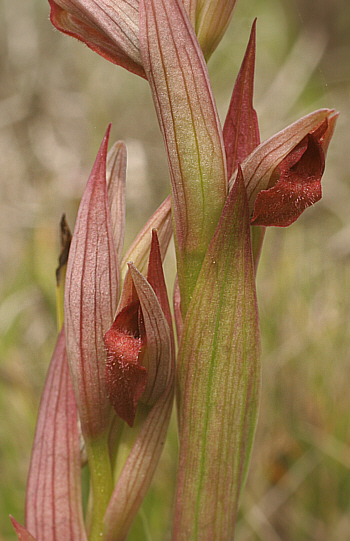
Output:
x,y
56,100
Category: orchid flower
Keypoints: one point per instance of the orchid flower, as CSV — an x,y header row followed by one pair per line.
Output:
x,y
226,187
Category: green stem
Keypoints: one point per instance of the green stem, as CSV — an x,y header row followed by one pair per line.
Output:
x,y
127,439
101,483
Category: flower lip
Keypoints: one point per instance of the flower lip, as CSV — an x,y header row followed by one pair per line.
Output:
x,y
298,187
283,174
125,376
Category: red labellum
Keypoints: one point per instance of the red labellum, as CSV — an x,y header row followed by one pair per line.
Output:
x,y
298,187
125,377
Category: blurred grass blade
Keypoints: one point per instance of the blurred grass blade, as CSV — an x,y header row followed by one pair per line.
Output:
x,y
61,270
219,382
54,502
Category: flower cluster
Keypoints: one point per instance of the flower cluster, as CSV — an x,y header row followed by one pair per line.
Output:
x,y
112,378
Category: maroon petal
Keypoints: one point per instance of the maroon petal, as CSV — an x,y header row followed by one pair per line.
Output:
x,y
125,377
299,186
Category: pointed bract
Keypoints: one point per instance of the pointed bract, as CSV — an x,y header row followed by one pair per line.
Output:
x,y
142,461
159,346
140,344
155,277
91,299
187,115
22,533
241,129
54,503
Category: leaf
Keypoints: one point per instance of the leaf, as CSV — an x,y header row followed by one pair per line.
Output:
x,y
219,381
53,501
